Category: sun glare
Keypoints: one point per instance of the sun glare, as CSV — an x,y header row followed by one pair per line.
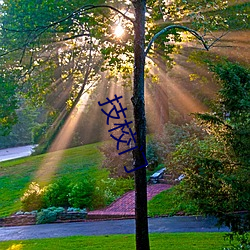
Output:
x,y
119,31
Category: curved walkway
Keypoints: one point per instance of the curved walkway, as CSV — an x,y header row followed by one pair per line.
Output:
x,y
124,207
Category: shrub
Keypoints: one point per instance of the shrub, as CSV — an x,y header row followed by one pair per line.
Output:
x,y
113,161
216,168
243,242
109,189
33,197
48,215
57,193
160,145
73,209
103,195
123,185
81,194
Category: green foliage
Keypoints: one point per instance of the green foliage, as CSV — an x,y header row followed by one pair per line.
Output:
x,y
236,16
16,175
205,175
73,209
231,123
108,190
81,194
21,132
57,193
160,145
48,215
8,105
89,193
114,162
243,242
104,192
51,44
32,199
216,168
38,131
123,185
65,193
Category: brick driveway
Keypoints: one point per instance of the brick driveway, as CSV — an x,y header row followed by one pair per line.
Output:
x,y
124,207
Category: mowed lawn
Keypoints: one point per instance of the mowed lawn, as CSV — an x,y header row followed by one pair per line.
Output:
x,y
169,241
16,175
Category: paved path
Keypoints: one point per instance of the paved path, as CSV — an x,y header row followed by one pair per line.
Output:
x,y
14,153
125,206
156,225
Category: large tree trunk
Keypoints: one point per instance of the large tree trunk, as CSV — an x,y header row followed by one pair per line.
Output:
x,y
142,240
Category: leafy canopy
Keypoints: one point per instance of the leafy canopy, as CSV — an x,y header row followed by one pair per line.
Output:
x,y
61,46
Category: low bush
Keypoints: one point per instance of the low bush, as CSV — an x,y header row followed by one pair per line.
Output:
x,y
48,215
114,162
81,194
78,210
32,199
123,185
242,241
109,189
160,145
57,193
88,193
103,193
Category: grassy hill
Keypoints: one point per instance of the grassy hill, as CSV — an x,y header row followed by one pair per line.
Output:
x,y
16,175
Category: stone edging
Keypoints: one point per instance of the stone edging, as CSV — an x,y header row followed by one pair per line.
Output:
x,y
30,219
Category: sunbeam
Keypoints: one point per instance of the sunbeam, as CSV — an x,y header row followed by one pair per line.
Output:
x,y
171,94
169,100
51,161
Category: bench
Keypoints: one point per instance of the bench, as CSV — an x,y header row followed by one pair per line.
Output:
x,y
182,176
155,177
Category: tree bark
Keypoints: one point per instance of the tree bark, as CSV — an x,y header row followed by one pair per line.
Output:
x,y
142,239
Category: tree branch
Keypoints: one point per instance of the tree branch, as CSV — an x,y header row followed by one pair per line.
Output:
x,y
74,13
42,29
166,29
218,38
87,8
112,8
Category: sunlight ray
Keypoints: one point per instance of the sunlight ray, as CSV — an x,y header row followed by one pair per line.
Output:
x,y
171,93
52,159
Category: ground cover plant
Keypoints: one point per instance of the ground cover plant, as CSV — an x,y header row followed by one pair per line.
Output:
x,y
171,241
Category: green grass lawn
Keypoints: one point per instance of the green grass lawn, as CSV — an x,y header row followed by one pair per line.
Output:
x,y
16,175
169,202
169,241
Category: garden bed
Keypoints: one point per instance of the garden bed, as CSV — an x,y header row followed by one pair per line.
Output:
x,y
30,219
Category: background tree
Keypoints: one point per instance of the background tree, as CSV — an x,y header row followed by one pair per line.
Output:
x,y
8,105
216,168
